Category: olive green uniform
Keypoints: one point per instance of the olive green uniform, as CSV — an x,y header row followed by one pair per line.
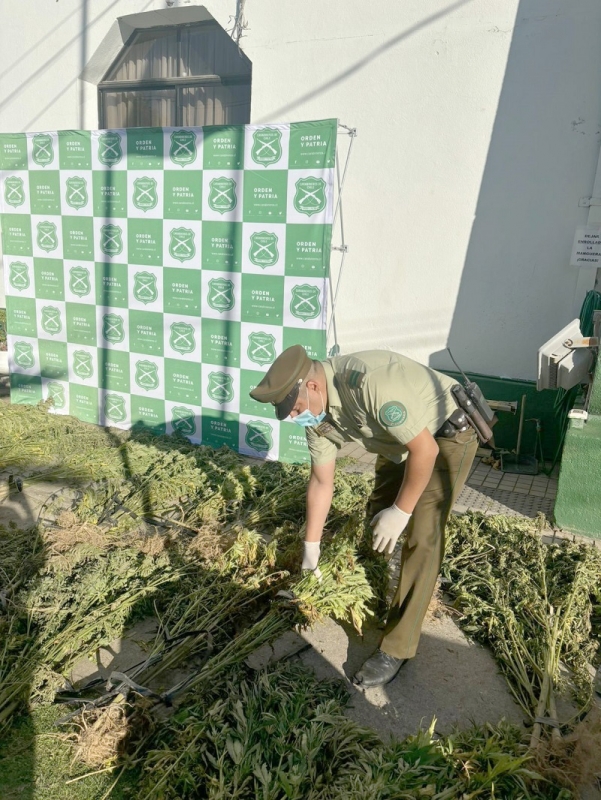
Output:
x,y
383,400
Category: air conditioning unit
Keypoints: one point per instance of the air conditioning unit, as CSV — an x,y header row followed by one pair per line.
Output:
x,y
559,365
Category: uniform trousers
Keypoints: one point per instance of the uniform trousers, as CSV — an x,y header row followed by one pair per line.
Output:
x,y
424,542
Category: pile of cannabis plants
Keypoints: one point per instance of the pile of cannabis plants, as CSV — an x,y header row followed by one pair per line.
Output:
x,y
61,605
209,546
281,734
534,605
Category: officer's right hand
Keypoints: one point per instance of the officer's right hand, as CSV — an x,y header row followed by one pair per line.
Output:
x,y
311,558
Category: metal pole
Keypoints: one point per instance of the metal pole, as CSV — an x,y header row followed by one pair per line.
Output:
x,y
352,132
521,425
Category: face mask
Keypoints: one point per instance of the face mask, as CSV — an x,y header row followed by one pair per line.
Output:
x,y
308,419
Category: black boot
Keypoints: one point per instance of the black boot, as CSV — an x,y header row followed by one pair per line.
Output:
x,y
378,670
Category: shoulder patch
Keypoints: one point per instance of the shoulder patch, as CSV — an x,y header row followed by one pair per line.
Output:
x,y
354,378
392,414
323,428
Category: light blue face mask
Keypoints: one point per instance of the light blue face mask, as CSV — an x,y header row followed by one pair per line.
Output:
x,y
307,418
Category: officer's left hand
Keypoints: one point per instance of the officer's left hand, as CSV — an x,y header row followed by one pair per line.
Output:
x,y
388,526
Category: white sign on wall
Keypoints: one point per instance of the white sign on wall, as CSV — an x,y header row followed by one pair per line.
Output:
x,y
586,251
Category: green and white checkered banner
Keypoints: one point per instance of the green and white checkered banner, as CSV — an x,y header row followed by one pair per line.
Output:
x,y
153,274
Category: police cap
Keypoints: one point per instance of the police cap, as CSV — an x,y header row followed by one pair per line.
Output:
x,y
283,380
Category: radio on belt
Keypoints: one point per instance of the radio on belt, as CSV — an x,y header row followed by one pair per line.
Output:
x,y
471,400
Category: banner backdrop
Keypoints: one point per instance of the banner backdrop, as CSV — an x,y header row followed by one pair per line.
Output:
x,y
153,274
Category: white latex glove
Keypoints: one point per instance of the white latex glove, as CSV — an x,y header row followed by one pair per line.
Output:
x,y
388,526
311,558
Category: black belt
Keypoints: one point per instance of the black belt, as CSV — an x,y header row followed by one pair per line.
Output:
x,y
456,423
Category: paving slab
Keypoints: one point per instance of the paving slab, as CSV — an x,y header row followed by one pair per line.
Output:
x,y
451,679
23,508
289,644
121,654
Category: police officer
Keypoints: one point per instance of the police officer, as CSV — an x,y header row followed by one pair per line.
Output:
x,y
404,412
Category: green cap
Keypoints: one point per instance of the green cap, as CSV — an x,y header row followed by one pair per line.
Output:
x,y
283,379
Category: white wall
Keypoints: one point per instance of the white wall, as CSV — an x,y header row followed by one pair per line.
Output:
x,y
478,132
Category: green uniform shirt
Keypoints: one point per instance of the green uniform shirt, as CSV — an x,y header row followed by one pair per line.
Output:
x,y
381,400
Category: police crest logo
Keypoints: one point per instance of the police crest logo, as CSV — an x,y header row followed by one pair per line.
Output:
x,y
392,414
113,329
145,287
114,408
259,436
145,194
261,348
14,192
56,393
42,149
222,195
263,249
310,197
79,281
221,387
182,338
147,375
110,151
18,276
82,364
305,303
47,236
51,320
221,294
183,420
181,246
183,148
77,193
267,146
23,355
111,240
